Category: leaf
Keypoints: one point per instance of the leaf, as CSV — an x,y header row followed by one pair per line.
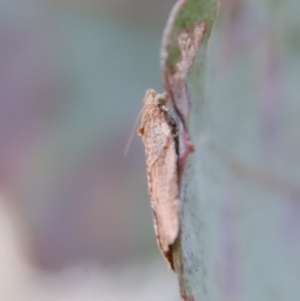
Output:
x,y
183,57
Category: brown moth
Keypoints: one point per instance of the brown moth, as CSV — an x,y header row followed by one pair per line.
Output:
x,y
159,134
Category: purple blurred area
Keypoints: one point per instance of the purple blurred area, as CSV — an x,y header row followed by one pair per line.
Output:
x,y
75,217
71,82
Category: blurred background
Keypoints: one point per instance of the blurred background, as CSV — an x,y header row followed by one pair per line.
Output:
x,y
75,221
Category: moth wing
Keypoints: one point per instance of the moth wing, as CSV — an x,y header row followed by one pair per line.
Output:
x,y
163,175
161,160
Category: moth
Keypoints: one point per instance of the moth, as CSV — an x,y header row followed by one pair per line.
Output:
x,y
159,133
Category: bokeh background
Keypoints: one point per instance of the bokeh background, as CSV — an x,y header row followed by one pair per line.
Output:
x,y
75,220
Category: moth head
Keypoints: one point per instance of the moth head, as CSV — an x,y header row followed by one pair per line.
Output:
x,y
151,97
160,99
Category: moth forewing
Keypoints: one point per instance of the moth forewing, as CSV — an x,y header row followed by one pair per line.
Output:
x,y
160,137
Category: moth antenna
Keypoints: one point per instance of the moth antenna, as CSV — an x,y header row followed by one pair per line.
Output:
x,y
133,131
148,92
